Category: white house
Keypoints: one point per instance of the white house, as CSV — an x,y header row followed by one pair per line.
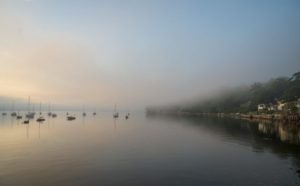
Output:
x,y
280,106
272,107
261,107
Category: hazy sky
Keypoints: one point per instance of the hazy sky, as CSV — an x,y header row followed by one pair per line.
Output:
x,y
136,53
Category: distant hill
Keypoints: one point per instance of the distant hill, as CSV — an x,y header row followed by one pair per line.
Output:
x,y
244,99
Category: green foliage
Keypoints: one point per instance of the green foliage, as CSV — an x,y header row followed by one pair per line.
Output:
x,y
246,99
293,90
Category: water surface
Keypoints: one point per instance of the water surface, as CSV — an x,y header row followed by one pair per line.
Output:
x,y
148,150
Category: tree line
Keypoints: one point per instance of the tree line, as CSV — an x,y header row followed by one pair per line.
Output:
x,y
245,99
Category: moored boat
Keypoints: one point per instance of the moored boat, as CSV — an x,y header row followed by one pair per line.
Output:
x,y
40,119
70,118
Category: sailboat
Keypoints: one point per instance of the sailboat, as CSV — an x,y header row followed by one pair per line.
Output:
x,y
94,113
70,118
127,116
19,116
116,114
13,114
41,118
3,112
29,115
50,113
49,110
83,113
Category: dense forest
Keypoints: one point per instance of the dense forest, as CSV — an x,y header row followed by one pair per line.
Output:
x,y
245,99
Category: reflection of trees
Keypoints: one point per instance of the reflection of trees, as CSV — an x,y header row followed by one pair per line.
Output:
x,y
285,132
278,138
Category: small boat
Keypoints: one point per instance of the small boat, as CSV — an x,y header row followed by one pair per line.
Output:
x,y
26,121
13,114
70,118
30,115
127,116
19,117
54,115
40,119
4,113
94,113
83,111
49,110
116,114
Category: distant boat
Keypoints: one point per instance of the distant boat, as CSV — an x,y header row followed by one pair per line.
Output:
x,y
3,111
13,114
83,111
51,114
26,121
94,113
29,115
41,108
127,116
19,117
115,114
70,118
49,110
40,119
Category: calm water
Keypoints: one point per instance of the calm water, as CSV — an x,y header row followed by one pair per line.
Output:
x,y
148,151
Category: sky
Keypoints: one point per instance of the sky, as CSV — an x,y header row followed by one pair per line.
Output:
x,y
139,53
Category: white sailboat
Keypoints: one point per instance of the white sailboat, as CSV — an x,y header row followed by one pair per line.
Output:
x,y
29,115
41,118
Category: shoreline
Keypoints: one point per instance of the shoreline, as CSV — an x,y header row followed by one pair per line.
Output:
x,y
250,117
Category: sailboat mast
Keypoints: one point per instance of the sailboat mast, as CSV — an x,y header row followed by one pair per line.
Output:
x,y
12,106
40,108
28,104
